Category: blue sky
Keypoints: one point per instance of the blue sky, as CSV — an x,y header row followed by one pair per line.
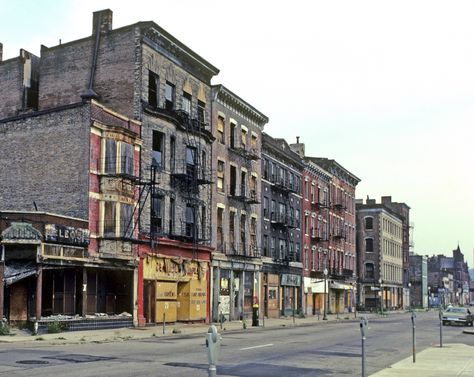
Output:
x,y
385,88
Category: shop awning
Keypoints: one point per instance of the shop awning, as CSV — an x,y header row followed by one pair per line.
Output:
x,y
313,285
15,271
336,285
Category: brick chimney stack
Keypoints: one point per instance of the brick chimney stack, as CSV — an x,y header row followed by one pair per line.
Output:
x,y
103,20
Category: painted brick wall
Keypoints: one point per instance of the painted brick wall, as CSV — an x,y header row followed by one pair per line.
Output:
x,y
45,159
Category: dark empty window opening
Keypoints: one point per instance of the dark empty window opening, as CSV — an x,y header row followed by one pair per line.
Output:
x,y
233,129
369,271
157,154
156,215
233,180
369,245
201,112
169,96
369,223
153,85
190,221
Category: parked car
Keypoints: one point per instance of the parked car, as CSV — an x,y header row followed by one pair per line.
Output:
x,y
457,315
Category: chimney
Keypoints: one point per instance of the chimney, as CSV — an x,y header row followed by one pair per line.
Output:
x,y
298,147
1,52
386,200
102,19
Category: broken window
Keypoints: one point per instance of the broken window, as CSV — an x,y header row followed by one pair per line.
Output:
x,y
156,215
220,129
109,219
232,230
153,85
190,216
220,176
201,112
220,230
157,154
169,96
243,233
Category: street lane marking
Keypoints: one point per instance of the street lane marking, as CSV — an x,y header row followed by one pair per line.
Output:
x,y
263,345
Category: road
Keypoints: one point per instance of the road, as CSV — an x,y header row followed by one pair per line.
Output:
x,y
325,349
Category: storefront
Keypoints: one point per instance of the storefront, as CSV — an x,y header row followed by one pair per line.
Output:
x,y
175,289
314,295
341,297
235,288
291,291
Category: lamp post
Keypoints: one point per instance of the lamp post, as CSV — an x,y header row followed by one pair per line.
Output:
x,y
429,296
409,295
381,295
325,272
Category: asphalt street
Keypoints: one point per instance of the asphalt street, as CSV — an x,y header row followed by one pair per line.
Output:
x,y
324,349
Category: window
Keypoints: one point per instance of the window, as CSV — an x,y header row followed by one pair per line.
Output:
x,y
126,220
169,96
172,210
110,162
126,158
272,248
156,225
297,252
190,216
265,246
233,128
243,184
203,223
243,138
265,207
243,233
253,235
220,229
186,102
190,161
369,271
312,193
172,152
273,214
253,187
312,259
220,130
220,176
109,219
297,215
369,223
153,85
201,112
253,142
232,230
233,180
369,245
157,154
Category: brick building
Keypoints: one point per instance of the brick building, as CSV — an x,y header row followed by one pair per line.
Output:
x,y
448,279
236,261
60,177
281,228
380,257
418,281
141,72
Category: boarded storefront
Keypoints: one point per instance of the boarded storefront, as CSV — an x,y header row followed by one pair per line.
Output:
x,y
175,289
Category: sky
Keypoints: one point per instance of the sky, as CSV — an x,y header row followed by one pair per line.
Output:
x,y
384,87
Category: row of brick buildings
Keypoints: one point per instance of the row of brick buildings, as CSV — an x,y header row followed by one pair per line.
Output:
x,y
131,184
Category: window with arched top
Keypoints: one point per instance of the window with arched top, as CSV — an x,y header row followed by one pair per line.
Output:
x,y
369,223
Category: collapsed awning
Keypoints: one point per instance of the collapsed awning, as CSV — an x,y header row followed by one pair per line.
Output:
x,y
15,271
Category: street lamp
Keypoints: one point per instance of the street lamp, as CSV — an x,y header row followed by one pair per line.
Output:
x,y
429,296
325,272
381,295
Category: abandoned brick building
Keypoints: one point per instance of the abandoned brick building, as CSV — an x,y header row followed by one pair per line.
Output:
x,y
114,129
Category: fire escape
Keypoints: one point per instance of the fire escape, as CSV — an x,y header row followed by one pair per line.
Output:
x,y
283,218
243,196
190,180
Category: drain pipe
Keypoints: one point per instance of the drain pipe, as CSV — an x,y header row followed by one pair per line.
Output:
x,y
90,93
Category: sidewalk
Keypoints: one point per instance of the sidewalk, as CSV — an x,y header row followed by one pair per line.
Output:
x,y
171,330
450,360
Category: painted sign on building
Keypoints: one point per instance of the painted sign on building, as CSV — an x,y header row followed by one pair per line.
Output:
x,y
66,235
